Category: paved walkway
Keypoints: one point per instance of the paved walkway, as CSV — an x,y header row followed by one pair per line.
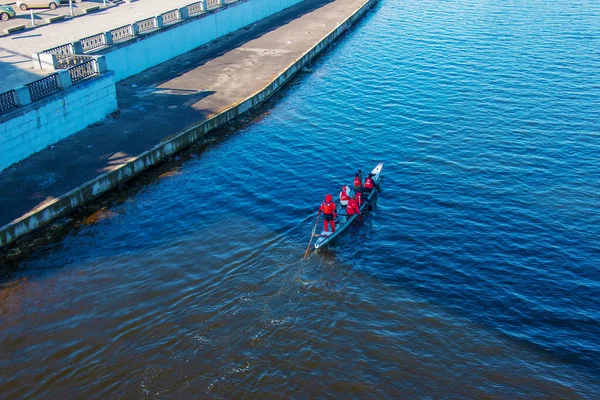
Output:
x,y
15,50
169,98
41,14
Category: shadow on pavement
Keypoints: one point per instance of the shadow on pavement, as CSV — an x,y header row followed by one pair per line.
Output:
x,y
16,70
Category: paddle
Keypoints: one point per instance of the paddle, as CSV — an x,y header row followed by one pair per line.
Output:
x,y
365,199
312,236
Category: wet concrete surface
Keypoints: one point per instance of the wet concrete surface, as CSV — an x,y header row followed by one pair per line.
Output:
x,y
167,99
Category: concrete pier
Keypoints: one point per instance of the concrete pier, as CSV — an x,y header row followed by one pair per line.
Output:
x,y
167,108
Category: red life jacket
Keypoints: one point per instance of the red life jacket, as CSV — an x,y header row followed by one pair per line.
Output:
x,y
368,183
352,208
344,196
357,181
328,208
358,198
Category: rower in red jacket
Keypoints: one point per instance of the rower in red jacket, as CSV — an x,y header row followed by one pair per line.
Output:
x,y
352,208
370,184
358,198
358,181
344,196
329,211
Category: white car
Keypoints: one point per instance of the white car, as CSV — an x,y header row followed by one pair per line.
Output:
x,y
51,4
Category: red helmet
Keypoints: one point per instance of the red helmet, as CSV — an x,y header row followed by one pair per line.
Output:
x,y
328,198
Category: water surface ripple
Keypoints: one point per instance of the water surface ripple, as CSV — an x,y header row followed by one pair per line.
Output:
x,y
477,275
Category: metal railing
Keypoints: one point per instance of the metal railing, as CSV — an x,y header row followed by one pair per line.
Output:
x,y
194,8
66,62
65,49
93,42
69,56
122,33
212,3
85,67
170,16
7,101
147,24
43,87
83,70
126,32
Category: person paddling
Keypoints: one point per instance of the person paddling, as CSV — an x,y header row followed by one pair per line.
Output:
x,y
352,208
358,198
344,197
358,189
329,211
358,181
370,184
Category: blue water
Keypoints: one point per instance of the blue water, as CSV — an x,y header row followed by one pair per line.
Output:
x,y
476,275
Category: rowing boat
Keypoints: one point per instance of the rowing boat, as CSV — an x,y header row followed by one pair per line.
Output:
x,y
342,222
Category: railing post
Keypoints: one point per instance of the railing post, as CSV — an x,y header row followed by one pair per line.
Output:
x,y
101,64
203,5
64,78
22,96
47,61
183,13
35,58
108,37
77,47
135,31
158,22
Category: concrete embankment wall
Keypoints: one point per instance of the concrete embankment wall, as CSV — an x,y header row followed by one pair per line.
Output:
x,y
26,131
153,49
53,118
109,180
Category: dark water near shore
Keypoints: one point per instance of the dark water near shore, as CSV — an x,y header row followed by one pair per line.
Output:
x,y
477,275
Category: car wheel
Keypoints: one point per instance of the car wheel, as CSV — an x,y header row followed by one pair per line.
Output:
x,y
52,6
23,7
4,16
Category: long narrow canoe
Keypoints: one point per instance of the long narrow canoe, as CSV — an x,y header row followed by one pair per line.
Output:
x,y
342,222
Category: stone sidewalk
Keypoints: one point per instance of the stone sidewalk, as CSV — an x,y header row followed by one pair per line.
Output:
x,y
15,50
169,98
